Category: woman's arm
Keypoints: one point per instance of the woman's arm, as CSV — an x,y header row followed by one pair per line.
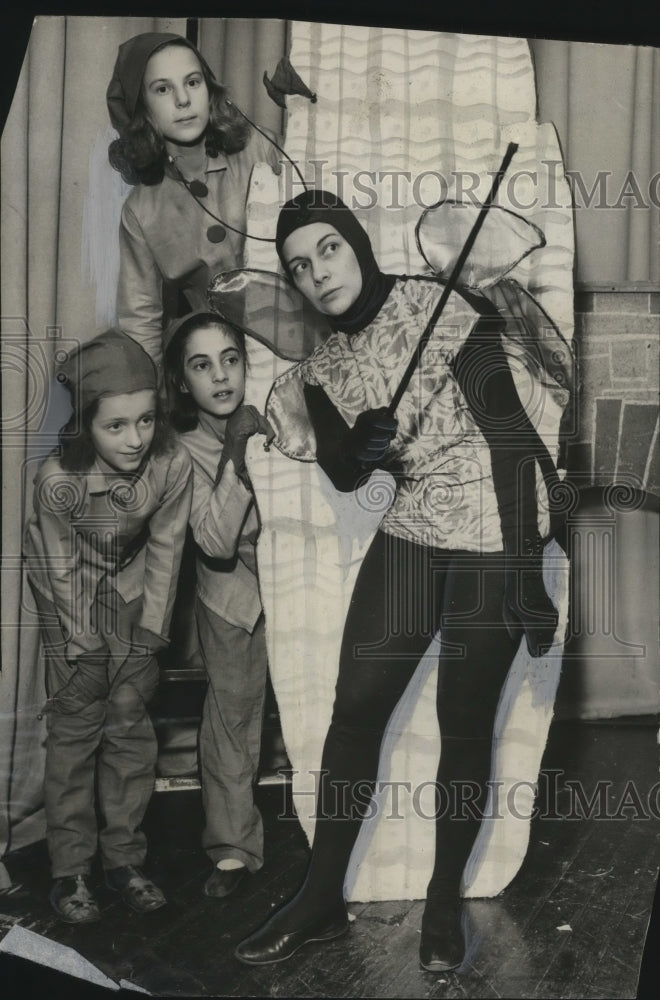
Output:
x,y
482,371
346,454
331,432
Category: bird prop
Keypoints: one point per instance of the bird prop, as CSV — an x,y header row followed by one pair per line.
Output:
x,y
285,81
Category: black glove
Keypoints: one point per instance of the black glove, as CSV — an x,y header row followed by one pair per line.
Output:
x,y
527,608
368,440
241,425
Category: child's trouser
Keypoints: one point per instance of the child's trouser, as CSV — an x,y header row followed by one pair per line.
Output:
x,y
97,727
230,737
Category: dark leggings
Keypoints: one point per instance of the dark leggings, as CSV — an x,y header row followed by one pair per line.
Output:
x,y
405,593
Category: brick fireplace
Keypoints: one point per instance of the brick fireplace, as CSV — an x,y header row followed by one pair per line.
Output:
x,y
617,333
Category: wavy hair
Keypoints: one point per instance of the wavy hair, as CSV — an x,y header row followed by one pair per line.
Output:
x,y
77,452
140,155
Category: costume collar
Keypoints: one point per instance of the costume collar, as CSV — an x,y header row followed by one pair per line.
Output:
x,y
216,163
215,426
213,165
376,287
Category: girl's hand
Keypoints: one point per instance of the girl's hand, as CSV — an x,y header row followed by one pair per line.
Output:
x,y
245,421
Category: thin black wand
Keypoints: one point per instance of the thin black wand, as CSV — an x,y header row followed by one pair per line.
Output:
x,y
453,279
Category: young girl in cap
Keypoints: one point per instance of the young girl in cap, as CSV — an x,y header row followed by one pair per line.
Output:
x,y
460,549
103,547
205,362
190,154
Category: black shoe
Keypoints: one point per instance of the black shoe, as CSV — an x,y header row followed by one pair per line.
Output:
x,y
268,944
136,891
442,946
73,900
223,881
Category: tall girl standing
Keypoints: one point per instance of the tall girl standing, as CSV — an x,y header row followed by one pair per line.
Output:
x,y
103,547
190,153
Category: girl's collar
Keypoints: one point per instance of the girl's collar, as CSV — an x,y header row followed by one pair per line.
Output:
x,y
212,164
212,425
190,160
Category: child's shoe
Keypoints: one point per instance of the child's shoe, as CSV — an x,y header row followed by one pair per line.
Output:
x,y
137,891
73,900
223,881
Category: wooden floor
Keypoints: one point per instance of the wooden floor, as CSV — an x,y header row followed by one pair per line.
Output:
x,y
593,875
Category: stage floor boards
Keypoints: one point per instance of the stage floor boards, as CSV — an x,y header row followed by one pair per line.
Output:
x,y
594,876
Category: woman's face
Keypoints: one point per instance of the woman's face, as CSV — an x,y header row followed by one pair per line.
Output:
x,y
176,95
323,267
123,428
213,371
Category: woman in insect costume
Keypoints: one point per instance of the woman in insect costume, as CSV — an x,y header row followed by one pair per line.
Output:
x,y
460,550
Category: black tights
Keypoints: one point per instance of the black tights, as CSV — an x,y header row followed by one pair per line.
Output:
x,y
403,595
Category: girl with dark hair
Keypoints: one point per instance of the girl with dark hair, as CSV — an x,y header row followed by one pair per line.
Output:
x,y
460,550
103,547
183,411
190,153
205,364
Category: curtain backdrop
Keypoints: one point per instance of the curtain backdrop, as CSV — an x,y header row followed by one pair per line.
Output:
x,y
603,100
60,212
239,51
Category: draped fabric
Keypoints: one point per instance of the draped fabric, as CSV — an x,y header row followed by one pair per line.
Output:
x,y
240,51
603,100
60,215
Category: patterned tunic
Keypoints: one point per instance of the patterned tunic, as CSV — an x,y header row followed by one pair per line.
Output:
x,y
441,461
